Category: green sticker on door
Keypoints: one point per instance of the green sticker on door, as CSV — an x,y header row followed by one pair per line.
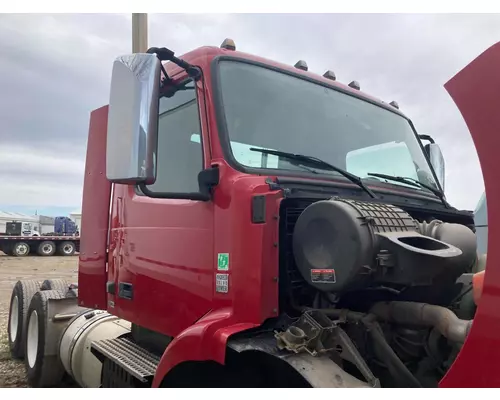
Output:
x,y
223,262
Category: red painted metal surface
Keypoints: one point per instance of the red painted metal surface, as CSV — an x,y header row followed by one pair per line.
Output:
x,y
253,272
476,92
164,249
204,340
95,212
167,249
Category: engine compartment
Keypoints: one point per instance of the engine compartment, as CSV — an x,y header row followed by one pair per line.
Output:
x,y
387,291
340,245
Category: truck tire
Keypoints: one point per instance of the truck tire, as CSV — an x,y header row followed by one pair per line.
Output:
x,y
47,248
20,249
55,284
67,248
18,310
41,370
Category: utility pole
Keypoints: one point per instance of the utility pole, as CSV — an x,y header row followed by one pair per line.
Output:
x,y
139,33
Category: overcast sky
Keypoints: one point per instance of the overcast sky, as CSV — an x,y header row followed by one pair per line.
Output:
x,y
55,69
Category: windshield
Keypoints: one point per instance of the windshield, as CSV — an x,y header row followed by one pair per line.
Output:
x,y
267,109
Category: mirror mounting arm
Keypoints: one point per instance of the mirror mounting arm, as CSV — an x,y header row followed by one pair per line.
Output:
x,y
427,137
207,179
165,54
166,195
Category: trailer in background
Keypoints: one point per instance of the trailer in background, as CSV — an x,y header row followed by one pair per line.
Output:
x,y
21,246
45,224
6,217
18,228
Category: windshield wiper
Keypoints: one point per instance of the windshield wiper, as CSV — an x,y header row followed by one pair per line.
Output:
x,y
412,182
318,163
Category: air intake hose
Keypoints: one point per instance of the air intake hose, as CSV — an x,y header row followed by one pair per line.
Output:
x,y
421,314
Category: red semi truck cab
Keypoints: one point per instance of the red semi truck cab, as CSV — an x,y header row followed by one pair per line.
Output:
x,y
242,212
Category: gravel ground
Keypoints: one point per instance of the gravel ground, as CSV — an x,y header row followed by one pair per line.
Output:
x,y
13,269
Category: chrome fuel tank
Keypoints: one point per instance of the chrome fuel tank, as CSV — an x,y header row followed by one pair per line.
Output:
x,y
74,347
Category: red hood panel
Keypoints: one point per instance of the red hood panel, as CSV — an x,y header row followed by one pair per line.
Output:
x,y
476,92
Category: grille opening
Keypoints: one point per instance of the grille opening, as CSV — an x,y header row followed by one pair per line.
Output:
x,y
293,289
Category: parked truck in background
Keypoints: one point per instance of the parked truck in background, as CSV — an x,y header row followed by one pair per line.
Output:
x,y
24,238
248,223
64,226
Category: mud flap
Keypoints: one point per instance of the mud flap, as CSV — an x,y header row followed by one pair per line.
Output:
x,y
318,371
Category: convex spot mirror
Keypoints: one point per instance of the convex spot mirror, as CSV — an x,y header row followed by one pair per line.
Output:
x,y
133,119
437,161
435,157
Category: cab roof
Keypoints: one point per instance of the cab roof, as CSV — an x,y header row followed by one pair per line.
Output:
x,y
207,54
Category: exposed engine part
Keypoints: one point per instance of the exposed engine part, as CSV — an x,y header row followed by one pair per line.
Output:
x,y
85,328
293,339
421,314
341,245
316,334
428,352
382,350
433,346
480,264
456,235
313,332
463,304
409,344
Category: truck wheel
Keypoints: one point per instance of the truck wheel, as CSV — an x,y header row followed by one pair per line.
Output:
x,y
67,248
20,249
55,284
46,248
19,302
41,370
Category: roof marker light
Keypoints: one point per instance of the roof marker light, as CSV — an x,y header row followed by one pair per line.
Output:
x,y
330,75
394,104
228,44
301,64
355,85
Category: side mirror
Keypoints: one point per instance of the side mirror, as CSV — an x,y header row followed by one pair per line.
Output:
x,y
133,119
437,161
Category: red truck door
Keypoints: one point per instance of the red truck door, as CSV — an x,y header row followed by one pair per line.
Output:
x,y
163,271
